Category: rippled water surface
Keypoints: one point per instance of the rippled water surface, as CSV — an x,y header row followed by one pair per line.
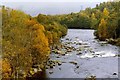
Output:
x,y
94,57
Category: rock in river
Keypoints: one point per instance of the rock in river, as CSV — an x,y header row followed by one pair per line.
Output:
x,y
73,62
57,56
59,63
51,72
51,66
91,78
79,53
77,66
114,73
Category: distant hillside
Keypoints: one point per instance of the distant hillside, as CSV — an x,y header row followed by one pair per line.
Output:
x,y
105,18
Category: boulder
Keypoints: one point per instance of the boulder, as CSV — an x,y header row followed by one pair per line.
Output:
x,y
51,66
73,62
59,63
114,73
79,53
51,72
67,38
77,66
57,56
69,50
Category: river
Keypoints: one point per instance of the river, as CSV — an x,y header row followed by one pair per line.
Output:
x,y
88,57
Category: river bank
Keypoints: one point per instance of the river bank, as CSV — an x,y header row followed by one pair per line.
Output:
x,y
114,41
82,56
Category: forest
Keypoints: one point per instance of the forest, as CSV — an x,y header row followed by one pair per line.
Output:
x,y
104,18
27,41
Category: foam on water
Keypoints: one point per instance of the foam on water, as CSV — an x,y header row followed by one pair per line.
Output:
x,y
87,56
98,54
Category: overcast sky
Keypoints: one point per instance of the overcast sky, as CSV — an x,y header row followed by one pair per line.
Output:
x,y
52,7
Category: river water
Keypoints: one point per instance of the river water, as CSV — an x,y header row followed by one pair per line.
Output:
x,y
91,57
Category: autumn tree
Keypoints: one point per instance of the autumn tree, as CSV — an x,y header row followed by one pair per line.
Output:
x,y
24,43
93,21
16,42
102,30
105,13
50,37
6,68
40,44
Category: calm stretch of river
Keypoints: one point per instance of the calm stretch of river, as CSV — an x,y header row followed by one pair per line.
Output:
x,y
87,57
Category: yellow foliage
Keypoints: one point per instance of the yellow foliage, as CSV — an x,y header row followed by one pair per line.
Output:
x,y
93,16
105,13
21,35
41,48
30,22
31,71
55,37
6,68
102,29
25,42
39,26
50,37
